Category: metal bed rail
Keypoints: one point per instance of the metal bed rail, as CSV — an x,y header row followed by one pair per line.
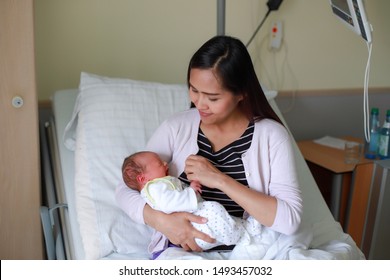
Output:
x,y
54,207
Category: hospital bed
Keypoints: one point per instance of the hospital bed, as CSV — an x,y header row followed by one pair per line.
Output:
x,y
83,145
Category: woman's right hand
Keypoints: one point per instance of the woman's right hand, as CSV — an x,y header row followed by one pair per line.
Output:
x,y
177,227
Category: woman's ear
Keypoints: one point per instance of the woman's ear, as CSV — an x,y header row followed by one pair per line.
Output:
x,y
241,97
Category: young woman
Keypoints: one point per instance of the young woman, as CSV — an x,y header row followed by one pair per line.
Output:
x,y
231,142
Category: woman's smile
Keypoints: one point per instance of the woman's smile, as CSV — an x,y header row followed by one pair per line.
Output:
x,y
204,114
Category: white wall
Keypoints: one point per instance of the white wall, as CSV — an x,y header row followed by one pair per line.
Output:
x,y
153,40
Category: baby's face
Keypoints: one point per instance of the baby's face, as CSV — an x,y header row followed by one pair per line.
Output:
x,y
154,166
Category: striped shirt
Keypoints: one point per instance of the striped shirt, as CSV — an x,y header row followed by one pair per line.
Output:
x,y
227,160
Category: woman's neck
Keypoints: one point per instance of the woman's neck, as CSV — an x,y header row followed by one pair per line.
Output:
x,y
222,134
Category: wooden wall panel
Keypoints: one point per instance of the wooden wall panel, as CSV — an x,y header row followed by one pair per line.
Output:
x,y
20,195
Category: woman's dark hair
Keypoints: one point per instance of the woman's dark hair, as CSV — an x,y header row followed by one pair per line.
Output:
x,y
232,64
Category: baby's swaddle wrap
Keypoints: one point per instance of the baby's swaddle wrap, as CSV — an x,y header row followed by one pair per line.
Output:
x,y
169,194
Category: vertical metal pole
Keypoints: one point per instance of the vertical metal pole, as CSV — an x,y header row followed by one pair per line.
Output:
x,y
220,17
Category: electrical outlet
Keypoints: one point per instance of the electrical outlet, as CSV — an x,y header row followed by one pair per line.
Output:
x,y
276,35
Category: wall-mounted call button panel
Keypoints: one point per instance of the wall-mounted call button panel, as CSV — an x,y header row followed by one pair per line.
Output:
x,y
276,35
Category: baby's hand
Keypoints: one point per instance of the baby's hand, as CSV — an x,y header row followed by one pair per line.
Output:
x,y
196,186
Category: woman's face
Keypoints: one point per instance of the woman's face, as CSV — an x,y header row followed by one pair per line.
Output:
x,y
214,103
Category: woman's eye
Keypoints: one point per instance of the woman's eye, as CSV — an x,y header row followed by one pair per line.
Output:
x,y
194,90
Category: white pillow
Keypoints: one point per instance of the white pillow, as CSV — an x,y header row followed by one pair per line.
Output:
x,y
113,118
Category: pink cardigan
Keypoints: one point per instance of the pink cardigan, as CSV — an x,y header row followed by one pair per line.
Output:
x,y
269,165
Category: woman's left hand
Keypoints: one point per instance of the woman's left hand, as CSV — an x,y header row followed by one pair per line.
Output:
x,y
200,169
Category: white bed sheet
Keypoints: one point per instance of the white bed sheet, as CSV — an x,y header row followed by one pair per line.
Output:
x,y
320,236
